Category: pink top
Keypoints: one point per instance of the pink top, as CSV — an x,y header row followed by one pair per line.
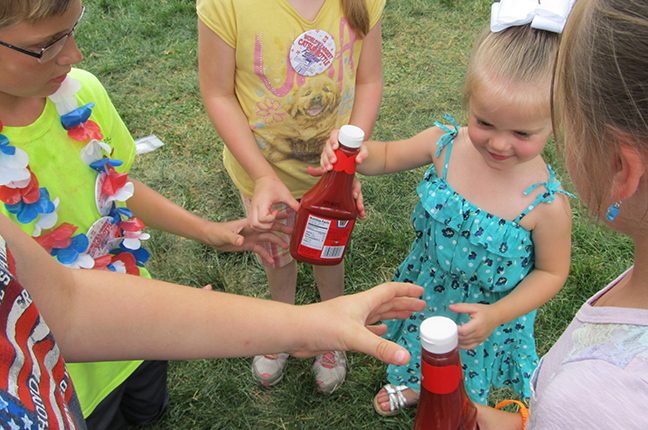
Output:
x,y
596,375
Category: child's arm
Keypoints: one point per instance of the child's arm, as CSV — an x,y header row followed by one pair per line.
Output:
x,y
158,212
552,244
369,82
100,315
380,158
217,64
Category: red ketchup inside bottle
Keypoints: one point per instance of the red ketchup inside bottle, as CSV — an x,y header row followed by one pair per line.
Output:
x,y
443,403
328,211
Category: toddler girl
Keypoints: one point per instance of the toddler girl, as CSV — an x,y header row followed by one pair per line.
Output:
x,y
276,77
492,224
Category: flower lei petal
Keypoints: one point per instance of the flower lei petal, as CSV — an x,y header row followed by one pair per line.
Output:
x,y
69,254
65,97
28,212
85,131
83,261
125,262
101,263
77,116
47,220
141,254
22,196
57,238
29,193
102,164
93,150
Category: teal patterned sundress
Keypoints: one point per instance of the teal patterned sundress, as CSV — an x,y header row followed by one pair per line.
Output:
x,y
465,255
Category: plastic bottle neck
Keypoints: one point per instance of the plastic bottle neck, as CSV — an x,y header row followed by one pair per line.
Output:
x,y
345,159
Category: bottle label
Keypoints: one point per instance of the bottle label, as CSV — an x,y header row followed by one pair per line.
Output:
x,y
440,380
324,238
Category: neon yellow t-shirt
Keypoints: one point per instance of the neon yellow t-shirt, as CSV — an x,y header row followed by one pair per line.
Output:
x,y
294,79
55,160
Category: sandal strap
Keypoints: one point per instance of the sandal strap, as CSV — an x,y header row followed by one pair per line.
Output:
x,y
396,397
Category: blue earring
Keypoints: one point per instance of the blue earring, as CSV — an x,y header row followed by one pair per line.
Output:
x,y
613,211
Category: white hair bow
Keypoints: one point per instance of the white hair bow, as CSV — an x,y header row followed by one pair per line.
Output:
x,y
549,15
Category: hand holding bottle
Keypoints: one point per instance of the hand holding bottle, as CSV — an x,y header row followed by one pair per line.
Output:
x,y
328,157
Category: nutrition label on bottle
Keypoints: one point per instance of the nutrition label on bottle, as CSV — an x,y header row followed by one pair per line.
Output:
x,y
315,232
325,235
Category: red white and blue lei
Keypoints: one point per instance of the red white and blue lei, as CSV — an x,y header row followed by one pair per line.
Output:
x,y
113,242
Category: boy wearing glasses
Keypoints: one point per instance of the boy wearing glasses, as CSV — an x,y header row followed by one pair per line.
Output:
x,y
65,154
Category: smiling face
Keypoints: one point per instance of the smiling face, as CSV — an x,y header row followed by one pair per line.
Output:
x,y
509,131
22,75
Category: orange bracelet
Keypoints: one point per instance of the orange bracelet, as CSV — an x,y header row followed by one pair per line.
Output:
x,y
524,411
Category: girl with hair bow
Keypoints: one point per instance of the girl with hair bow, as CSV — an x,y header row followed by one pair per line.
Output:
x,y
492,225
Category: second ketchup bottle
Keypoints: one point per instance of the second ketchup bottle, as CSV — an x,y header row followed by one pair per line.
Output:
x,y
443,403
328,211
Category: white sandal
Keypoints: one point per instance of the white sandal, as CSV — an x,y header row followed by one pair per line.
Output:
x,y
397,400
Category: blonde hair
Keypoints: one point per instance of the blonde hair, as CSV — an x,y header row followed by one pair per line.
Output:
x,y
14,11
601,85
519,56
357,14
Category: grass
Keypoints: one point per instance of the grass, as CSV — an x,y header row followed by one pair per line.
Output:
x,y
145,52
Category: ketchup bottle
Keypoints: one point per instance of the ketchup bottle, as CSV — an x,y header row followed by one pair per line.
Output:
x,y
328,211
443,403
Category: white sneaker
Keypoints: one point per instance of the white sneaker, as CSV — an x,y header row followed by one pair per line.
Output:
x,y
268,369
330,371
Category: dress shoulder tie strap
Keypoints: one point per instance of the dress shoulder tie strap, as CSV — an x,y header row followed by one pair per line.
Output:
x,y
446,140
546,197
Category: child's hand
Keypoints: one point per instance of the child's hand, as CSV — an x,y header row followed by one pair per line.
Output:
x,y
483,320
493,419
326,164
346,322
268,191
239,236
357,195
357,191
328,159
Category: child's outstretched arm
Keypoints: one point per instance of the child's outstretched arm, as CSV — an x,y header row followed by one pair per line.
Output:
x,y
217,64
380,158
552,243
98,315
158,212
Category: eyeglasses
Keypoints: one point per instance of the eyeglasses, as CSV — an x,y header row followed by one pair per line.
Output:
x,y
53,49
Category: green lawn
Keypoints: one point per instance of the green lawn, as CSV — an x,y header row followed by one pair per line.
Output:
x,y
145,52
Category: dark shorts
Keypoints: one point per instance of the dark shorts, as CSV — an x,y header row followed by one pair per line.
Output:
x,y
139,400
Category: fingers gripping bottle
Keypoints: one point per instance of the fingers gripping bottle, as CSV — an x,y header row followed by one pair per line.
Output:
x,y
443,403
328,211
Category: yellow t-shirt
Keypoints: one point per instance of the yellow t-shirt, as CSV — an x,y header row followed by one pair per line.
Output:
x,y
294,79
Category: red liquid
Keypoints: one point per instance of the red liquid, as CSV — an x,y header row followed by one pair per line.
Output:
x,y
327,214
444,404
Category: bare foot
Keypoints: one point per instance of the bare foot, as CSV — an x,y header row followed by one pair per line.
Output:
x,y
383,398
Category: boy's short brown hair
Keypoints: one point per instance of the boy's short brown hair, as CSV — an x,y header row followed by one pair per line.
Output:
x,y
13,11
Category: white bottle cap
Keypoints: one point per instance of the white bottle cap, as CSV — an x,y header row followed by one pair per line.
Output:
x,y
351,136
439,335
